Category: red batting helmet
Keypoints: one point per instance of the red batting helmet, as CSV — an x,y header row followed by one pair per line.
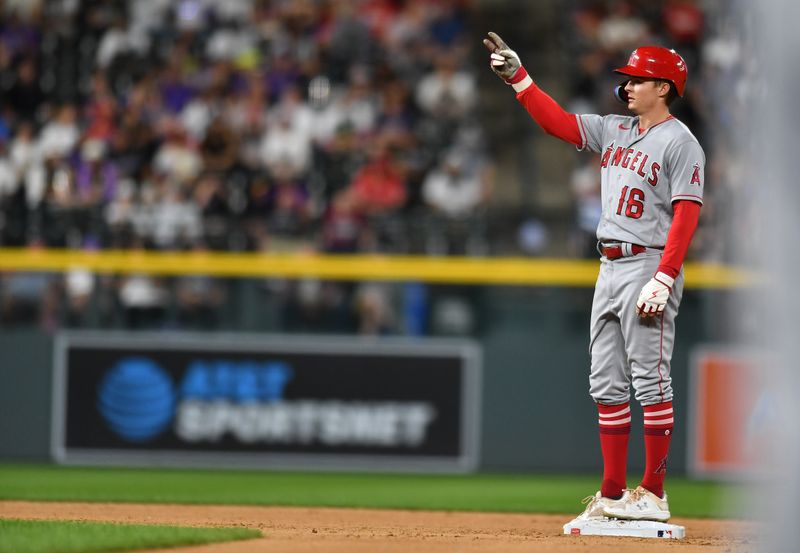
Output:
x,y
656,62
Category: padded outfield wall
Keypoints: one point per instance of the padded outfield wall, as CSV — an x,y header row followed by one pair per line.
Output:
x,y
535,412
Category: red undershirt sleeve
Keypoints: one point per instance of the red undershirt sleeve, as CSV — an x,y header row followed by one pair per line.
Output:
x,y
684,223
557,122
553,119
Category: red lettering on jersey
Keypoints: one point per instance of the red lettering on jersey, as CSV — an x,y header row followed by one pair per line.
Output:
x,y
635,159
654,169
618,156
627,159
641,166
606,155
696,174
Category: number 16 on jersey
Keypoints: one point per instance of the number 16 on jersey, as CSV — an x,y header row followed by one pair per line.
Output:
x,y
633,202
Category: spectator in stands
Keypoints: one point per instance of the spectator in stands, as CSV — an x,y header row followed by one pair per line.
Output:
x,y
245,109
344,227
96,180
134,142
121,214
291,210
379,187
25,95
219,148
447,93
287,142
339,159
198,113
114,42
177,157
29,166
212,199
373,306
54,210
396,117
683,25
9,176
292,105
175,92
408,41
24,151
622,30
352,105
79,287
457,190
96,175
380,190
101,111
176,220
60,136
346,40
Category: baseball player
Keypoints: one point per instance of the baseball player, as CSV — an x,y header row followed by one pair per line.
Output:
x,y
652,174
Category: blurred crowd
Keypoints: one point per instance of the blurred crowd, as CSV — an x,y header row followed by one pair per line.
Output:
x,y
237,125
338,126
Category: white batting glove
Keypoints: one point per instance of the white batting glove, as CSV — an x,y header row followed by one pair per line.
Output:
x,y
503,60
654,295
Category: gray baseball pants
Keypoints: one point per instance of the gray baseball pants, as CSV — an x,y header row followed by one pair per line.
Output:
x,y
626,348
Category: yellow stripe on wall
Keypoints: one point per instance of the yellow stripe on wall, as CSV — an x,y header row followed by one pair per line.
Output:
x,y
451,270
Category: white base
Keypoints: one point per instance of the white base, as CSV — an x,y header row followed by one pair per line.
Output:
x,y
616,527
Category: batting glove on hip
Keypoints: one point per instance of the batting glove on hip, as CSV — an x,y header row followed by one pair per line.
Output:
x,y
654,295
503,60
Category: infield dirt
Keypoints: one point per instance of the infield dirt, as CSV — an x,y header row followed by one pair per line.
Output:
x,y
302,530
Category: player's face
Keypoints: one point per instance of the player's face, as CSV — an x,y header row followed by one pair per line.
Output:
x,y
643,95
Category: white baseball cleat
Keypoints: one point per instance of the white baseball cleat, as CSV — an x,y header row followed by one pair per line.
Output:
x,y
639,504
597,504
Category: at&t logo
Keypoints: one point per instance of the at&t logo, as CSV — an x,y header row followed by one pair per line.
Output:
x,y
137,399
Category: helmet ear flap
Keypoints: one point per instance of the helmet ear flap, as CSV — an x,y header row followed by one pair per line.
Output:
x,y
620,94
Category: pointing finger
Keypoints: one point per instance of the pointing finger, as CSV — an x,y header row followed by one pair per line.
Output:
x,y
491,46
498,41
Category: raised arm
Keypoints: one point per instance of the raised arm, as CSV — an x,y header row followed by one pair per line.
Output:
x,y
553,119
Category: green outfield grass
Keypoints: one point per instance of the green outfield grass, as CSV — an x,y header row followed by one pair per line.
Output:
x,y
37,536
501,493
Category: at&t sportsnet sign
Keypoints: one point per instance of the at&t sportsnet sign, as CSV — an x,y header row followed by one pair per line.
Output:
x,y
265,401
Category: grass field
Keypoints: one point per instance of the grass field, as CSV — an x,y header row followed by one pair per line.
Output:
x,y
499,493
27,536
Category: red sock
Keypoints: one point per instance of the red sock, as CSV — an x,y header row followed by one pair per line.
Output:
x,y
658,428
615,428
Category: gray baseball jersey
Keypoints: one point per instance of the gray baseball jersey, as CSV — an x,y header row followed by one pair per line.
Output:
x,y
641,175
